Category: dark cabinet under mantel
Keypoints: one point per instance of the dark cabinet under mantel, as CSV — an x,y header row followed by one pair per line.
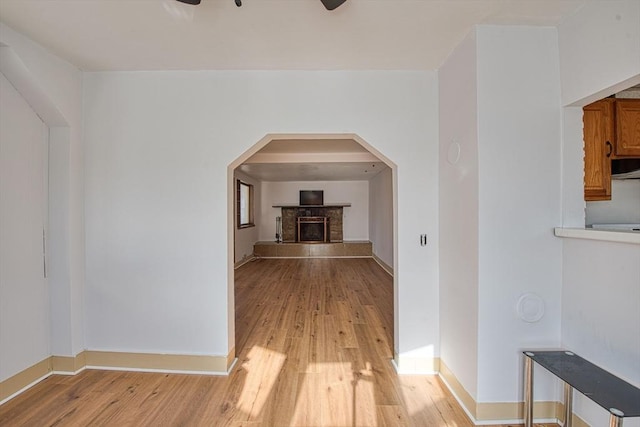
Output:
x,y
312,229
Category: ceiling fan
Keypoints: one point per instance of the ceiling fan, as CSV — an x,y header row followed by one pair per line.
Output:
x,y
329,4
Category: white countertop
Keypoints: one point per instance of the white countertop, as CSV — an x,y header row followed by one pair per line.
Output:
x,y
604,235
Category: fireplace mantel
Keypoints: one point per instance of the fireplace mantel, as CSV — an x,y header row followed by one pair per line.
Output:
x,y
327,205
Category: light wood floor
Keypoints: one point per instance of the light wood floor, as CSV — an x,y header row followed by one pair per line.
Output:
x,y
314,340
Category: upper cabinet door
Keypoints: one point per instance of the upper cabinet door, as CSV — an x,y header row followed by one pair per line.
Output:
x,y
628,128
598,120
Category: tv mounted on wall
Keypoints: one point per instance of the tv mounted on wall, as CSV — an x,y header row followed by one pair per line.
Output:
x,y
311,197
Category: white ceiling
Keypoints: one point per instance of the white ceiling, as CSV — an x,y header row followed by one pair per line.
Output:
x,y
312,146
313,160
343,171
111,35
265,34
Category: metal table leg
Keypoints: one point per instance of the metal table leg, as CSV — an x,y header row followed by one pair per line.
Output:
x,y
568,405
615,420
528,390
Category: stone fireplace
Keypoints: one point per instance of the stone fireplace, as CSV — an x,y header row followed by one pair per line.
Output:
x,y
312,223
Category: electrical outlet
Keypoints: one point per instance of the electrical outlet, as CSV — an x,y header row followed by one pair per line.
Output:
x,y
423,240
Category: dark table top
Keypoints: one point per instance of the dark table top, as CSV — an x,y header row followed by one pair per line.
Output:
x,y
604,388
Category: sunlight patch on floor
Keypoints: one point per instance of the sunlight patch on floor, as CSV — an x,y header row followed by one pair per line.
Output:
x,y
263,367
349,393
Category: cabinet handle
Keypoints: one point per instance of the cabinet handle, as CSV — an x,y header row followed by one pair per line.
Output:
x,y
608,144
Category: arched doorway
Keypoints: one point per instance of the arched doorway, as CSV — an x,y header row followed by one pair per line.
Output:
x,y
310,157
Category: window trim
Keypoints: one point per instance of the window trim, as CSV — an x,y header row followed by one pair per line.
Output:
x,y
251,223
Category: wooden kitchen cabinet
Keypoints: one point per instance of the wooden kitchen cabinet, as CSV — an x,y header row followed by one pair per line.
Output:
x,y
599,126
627,142
611,131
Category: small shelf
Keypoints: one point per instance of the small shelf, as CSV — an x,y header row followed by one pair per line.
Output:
x,y
603,235
610,392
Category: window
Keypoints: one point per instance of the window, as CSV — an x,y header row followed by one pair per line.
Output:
x,y
244,209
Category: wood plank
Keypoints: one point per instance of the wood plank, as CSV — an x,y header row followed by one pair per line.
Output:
x,y
392,416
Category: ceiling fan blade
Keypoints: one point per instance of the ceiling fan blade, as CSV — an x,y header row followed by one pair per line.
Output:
x,y
332,4
329,4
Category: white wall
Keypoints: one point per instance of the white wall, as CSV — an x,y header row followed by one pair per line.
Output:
x,y
246,237
595,319
381,215
24,295
623,208
573,205
500,102
519,160
600,49
54,88
355,218
459,214
601,312
156,179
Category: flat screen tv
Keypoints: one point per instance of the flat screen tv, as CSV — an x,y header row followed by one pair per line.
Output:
x,y
311,197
